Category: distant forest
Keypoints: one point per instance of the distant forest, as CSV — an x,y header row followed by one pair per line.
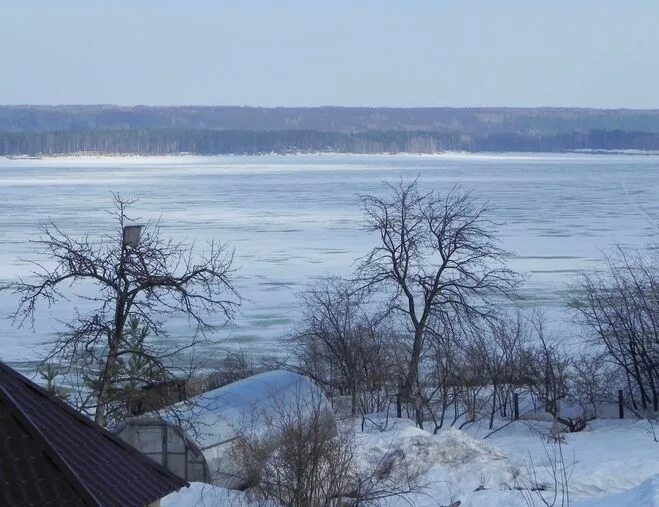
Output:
x,y
49,130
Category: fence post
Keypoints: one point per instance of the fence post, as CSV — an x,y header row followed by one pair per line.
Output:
x,y
516,406
621,405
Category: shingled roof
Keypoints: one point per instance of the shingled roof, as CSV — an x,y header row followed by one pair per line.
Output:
x,y
52,455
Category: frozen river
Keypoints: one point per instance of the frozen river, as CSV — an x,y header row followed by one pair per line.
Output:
x,y
294,218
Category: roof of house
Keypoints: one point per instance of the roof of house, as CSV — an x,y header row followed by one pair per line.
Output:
x,y
52,455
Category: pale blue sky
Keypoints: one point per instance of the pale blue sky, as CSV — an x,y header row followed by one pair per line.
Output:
x,y
312,52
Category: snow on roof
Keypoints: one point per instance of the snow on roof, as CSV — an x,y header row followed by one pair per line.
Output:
x,y
246,406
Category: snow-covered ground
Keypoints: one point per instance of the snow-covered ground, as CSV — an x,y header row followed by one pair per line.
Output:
x,y
612,464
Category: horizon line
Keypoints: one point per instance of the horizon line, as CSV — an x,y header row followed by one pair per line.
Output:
x,y
327,106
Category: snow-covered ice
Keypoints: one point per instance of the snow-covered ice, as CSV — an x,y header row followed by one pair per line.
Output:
x,y
294,218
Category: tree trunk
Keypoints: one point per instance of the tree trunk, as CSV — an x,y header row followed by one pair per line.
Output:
x,y
105,379
637,376
413,370
494,405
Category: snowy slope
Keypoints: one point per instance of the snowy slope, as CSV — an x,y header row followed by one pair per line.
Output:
x,y
615,463
645,495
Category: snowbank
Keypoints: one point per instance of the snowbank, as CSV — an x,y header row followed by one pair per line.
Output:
x,y
200,494
615,463
646,495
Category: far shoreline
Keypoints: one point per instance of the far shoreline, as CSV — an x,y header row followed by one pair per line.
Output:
x,y
82,156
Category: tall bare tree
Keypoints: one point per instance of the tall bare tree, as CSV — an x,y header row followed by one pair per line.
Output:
x,y
434,253
144,276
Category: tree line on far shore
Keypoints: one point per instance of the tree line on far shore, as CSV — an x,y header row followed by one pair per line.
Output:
x,y
163,141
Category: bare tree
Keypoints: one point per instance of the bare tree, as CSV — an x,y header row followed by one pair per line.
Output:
x,y
327,345
443,364
499,347
434,252
300,460
619,307
593,382
148,277
343,346
304,458
550,375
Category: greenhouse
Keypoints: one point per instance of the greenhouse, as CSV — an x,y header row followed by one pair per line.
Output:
x,y
197,443
166,444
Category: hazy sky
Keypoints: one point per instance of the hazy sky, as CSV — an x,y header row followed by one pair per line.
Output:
x,y
596,53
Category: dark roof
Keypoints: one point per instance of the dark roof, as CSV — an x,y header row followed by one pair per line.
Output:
x,y
52,455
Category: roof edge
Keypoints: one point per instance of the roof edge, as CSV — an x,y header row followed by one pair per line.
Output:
x,y
43,440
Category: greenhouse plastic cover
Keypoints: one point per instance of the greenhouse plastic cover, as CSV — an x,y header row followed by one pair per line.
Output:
x,y
246,406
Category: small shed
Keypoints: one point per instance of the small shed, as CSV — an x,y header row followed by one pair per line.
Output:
x,y
213,422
